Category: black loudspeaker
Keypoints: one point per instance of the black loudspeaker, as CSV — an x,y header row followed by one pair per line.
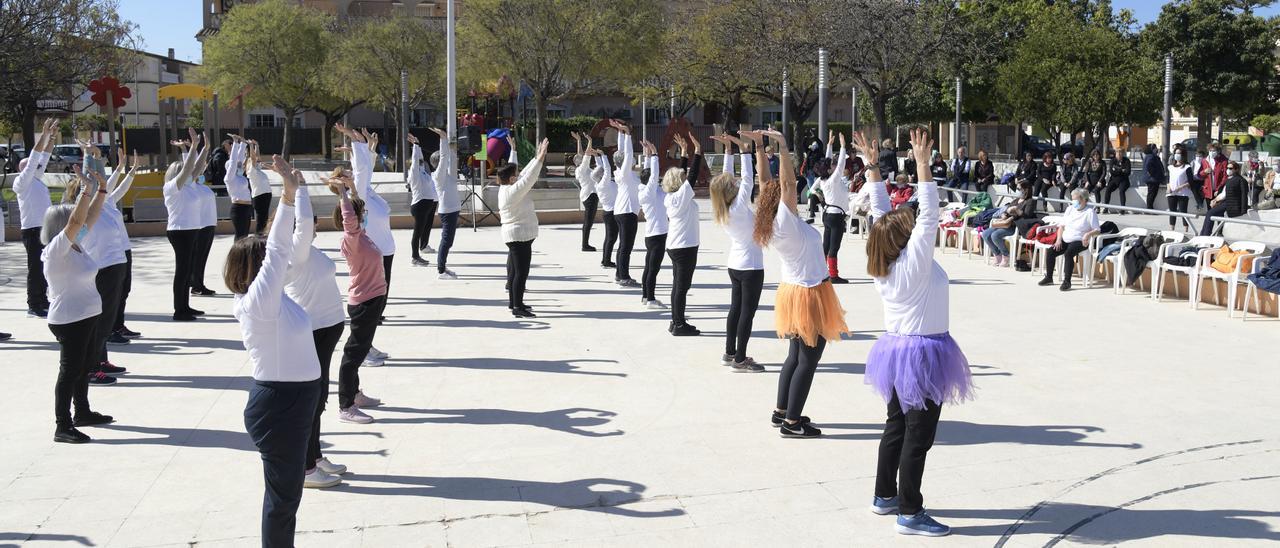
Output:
x,y
469,140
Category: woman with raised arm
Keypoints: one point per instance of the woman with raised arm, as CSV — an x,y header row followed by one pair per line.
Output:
x,y
607,189
238,188
916,366
183,225
310,282
626,204
656,225
276,332
586,179
731,209
422,204
119,332
684,239
107,243
519,225
75,307
33,201
366,296
806,310
377,214
446,183
208,227
260,186
835,191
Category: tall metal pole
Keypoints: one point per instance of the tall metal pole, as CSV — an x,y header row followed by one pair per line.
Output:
x,y
644,122
451,77
786,100
853,112
671,114
1168,105
955,129
403,142
824,89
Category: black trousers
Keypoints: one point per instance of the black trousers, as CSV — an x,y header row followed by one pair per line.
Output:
x,y
747,286
904,444
610,237
1153,190
654,247
683,262
833,228
626,243
364,324
37,287
448,228
76,357
519,260
1197,192
184,254
278,418
423,216
204,244
1219,210
1121,184
241,216
1178,204
814,205
1070,250
589,218
124,291
797,376
326,340
110,282
261,212
386,269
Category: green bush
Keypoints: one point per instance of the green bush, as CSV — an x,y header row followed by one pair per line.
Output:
x,y
558,131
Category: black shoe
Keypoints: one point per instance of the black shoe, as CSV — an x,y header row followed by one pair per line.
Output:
x,y
128,333
608,265
93,418
420,262
195,312
588,249
628,282
69,434
522,312
1065,287
838,280
685,330
98,378
110,369
203,292
37,313
808,221
5,336
777,419
116,339
184,317
798,430
1047,280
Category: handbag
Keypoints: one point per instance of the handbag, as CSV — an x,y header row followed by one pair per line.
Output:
x,y
1226,260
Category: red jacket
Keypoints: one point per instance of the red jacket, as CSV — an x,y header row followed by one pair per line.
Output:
x,y
1213,178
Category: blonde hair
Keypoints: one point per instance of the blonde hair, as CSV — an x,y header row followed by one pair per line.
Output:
x,y
724,190
72,191
889,236
672,179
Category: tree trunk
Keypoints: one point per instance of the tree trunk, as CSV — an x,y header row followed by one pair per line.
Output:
x,y
29,127
540,116
1204,124
878,107
288,132
326,137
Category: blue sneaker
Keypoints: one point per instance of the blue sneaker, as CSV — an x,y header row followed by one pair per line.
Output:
x,y
921,524
882,506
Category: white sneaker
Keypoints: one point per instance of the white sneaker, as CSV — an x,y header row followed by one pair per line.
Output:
x,y
365,401
329,467
372,361
655,305
354,415
378,353
447,275
319,479
428,249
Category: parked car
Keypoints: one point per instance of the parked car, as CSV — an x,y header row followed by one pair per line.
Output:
x,y
1075,147
1037,145
11,156
65,156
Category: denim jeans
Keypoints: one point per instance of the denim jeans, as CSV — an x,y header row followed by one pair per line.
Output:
x,y
994,237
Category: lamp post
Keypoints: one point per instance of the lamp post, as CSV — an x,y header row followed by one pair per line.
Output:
x,y
1168,105
451,77
786,99
823,91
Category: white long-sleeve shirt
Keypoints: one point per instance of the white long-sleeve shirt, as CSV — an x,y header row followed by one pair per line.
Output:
x,y
234,178
182,204
587,177
653,202
108,239
628,198
915,293
276,330
744,253
208,202
310,281
835,189
421,185
682,211
259,184
446,180
515,206
607,188
33,195
376,209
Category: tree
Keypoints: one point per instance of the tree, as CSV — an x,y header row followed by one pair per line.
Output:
x,y
1223,56
1266,123
275,49
51,49
560,47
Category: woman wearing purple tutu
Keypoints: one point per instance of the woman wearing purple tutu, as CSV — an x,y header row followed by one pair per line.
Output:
x,y
915,366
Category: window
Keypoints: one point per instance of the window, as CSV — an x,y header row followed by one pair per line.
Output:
x,y
655,115
421,117
262,120
839,116
767,118
555,113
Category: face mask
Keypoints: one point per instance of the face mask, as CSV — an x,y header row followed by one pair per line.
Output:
x,y
84,231
1231,172
364,223
1178,156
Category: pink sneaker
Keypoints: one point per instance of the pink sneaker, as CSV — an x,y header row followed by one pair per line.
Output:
x,y
354,415
365,401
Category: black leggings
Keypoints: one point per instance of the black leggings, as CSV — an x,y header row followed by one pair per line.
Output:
x,y
654,246
75,359
37,287
1178,204
814,205
184,254
326,339
364,324
904,444
124,291
424,212
589,218
610,237
386,269
833,228
1197,192
204,244
261,211
1121,184
747,285
797,376
110,283
626,243
683,262
448,228
241,216
1153,190
519,259
278,420
1070,250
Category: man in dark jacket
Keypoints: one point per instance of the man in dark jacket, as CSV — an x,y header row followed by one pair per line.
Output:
x,y
217,169
1153,174
1232,201
888,161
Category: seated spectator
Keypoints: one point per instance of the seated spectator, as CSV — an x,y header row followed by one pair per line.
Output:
x,y
1269,195
1079,225
1001,227
1231,201
901,191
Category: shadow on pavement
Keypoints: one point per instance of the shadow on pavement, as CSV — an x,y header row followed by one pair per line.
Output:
x,y
1124,524
507,364
573,420
968,433
44,537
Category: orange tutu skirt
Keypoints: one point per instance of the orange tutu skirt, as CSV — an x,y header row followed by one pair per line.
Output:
x,y
809,313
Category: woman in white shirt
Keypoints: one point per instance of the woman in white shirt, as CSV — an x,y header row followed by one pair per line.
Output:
x,y
75,306
835,192
33,201
260,186
806,308
915,366
1178,193
731,209
519,225
445,177
1079,226
683,239
208,229
276,332
607,189
656,226
586,179
626,204
422,204
237,185
108,243
183,227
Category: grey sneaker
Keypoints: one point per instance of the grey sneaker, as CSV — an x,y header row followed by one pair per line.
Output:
x,y
319,479
656,305
366,401
331,468
726,359
447,275
748,365
354,415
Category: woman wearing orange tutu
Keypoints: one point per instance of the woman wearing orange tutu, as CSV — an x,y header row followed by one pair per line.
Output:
x,y
806,308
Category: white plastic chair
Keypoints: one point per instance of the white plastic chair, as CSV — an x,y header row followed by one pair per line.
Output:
x,y
945,231
1101,241
1118,269
1251,289
1252,251
1160,267
1039,251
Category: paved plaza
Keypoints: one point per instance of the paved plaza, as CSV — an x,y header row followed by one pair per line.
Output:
x,y
1099,419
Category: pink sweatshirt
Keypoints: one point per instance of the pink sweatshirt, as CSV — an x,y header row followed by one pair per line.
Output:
x,y
364,259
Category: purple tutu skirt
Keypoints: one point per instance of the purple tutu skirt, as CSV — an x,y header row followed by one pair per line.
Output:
x,y
919,368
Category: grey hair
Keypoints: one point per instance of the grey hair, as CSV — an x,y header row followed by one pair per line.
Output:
x,y
55,220
434,159
172,172
1078,193
617,157
578,158
672,180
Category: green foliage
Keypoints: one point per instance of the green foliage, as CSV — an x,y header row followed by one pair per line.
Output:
x,y
1268,123
366,61
559,131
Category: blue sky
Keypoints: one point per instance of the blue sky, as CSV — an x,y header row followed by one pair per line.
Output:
x,y
1146,11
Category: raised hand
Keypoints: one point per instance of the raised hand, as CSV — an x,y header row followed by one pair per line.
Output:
x,y
697,145
442,133
680,142
372,138
511,141
867,147
137,161
413,140
921,146
286,173
844,144
542,148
